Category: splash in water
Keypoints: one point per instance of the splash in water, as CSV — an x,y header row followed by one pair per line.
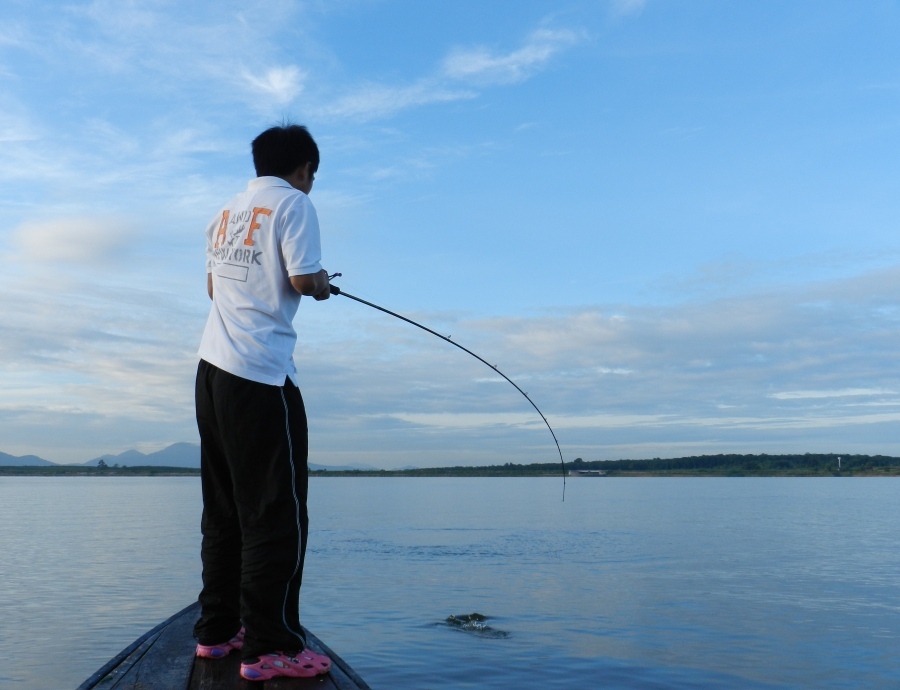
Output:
x,y
475,623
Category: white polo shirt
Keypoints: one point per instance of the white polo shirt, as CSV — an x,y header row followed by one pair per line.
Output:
x,y
263,236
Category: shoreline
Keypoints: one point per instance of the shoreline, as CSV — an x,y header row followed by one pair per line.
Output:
x,y
40,471
731,465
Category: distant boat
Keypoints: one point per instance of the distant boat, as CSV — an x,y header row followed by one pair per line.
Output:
x,y
163,659
587,473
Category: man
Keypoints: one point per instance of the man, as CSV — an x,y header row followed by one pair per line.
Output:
x,y
262,253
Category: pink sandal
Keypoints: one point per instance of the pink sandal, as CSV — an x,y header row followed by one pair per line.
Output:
x,y
305,664
217,651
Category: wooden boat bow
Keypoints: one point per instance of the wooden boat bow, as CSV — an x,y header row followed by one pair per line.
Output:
x,y
163,659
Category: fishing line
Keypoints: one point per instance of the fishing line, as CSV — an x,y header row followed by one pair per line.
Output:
x,y
335,290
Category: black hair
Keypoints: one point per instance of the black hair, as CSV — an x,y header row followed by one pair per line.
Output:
x,y
280,150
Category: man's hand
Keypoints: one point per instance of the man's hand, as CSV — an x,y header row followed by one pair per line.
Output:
x,y
313,285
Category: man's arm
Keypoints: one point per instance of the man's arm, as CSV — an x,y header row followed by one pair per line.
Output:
x,y
313,284
209,284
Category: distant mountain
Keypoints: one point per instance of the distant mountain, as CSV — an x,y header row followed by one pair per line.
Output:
x,y
187,455
129,457
176,455
30,460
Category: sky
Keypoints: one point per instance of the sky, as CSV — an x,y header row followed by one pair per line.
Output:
x,y
674,224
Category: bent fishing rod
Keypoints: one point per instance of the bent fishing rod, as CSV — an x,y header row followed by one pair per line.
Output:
x,y
335,290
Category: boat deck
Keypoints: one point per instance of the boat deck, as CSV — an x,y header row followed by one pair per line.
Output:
x,y
163,659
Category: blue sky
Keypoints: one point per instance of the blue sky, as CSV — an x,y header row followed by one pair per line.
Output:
x,y
673,223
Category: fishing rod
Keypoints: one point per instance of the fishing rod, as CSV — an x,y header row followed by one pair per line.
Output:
x,y
335,290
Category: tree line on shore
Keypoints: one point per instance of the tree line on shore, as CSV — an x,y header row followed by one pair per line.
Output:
x,y
763,465
807,464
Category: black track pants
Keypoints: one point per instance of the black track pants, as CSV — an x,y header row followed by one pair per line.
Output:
x,y
253,448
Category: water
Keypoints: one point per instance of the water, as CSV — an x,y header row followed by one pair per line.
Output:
x,y
631,583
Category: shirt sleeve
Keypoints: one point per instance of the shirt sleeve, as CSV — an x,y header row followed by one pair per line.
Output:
x,y
300,243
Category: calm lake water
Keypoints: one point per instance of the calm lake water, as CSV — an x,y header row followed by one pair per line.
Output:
x,y
631,583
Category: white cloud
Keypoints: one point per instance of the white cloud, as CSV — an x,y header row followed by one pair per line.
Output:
x,y
721,375
482,66
459,77
80,240
281,84
87,364
377,100
625,7
227,52
219,53
524,419
612,383
471,421
15,35
843,393
16,130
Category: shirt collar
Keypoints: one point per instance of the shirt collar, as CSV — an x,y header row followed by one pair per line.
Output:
x,y
267,181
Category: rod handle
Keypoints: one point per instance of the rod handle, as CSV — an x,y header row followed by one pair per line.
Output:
x,y
335,290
